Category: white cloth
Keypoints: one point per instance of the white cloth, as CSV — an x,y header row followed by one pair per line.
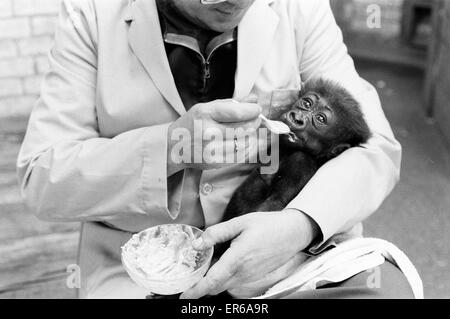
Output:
x,y
346,260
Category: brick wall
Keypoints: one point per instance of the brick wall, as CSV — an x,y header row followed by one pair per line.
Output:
x,y
26,32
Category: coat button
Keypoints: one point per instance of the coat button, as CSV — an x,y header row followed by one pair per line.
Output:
x,y
207,189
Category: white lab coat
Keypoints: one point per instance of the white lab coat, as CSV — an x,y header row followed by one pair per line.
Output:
x,y
96,145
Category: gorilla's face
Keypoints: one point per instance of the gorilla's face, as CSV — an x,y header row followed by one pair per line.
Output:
x,y
313,122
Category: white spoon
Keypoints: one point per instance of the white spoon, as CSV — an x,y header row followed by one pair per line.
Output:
x,y
278,128
275,127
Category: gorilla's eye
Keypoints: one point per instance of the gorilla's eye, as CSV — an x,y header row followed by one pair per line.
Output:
x,y
307,103
322,119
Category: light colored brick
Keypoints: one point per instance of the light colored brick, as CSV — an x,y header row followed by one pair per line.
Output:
x,y
43,25
36,7
10,87
16,67
35,45
8,49
5,8
42,64
14,28
17,106
32,84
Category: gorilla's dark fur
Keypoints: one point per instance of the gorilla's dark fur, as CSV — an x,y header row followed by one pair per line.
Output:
x,y
326,120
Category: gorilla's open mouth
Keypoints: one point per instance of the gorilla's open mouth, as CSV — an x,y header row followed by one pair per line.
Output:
x,y
295,119
286,118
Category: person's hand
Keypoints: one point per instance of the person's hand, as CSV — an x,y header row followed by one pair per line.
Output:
x,y
200,147
259,287
263,243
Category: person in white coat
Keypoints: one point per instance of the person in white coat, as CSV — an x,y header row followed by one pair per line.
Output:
x,y
122,78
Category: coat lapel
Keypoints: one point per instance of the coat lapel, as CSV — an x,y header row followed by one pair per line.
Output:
x,y
145,39
255,36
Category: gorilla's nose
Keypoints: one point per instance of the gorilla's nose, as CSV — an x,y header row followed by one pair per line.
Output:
x,y
296,119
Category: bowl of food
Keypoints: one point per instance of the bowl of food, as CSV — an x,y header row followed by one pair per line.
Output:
x,y
162,259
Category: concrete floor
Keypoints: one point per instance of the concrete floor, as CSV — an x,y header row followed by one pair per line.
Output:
x,y
416,217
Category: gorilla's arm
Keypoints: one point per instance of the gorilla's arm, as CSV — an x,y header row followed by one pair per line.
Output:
x,y
261,193
294,173
249,195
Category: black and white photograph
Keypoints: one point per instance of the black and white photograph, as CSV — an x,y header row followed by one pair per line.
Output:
x,y
224,150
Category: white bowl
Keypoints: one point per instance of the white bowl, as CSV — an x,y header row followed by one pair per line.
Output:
x,y
167,285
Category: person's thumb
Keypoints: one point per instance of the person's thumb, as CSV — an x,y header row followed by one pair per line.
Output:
x,y
218,233
229,111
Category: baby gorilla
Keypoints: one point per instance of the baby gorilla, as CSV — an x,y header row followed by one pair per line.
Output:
x,y
326,120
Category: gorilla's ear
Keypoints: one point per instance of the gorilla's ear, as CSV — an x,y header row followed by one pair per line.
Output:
x,y
339,149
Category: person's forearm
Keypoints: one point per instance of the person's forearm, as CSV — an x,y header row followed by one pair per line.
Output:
x,y
348,189
96,178
310,231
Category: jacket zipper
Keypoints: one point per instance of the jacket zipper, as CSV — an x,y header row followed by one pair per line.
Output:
x,y
205,62
207,65
206,75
